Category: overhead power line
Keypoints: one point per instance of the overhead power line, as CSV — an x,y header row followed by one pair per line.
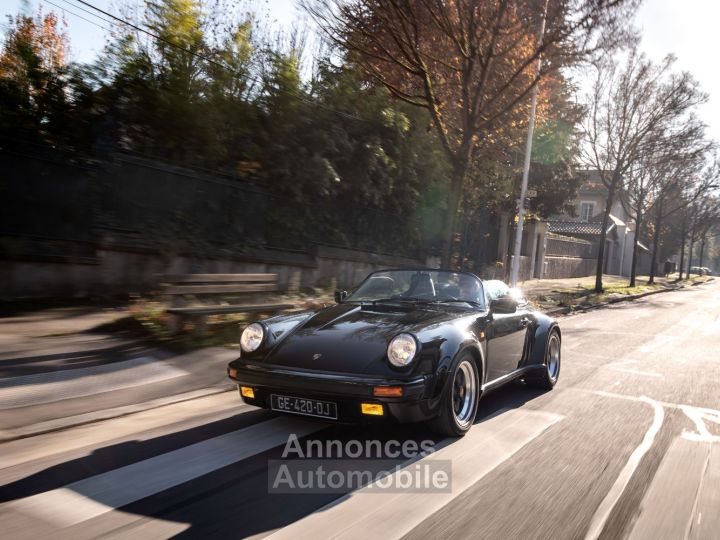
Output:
x,y
66,10
88,11
202,57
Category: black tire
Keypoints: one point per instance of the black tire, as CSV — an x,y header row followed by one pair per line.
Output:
x,y
547,378
459,402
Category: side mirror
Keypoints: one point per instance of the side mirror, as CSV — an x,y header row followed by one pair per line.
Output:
x,y
518,295
504,304
340,296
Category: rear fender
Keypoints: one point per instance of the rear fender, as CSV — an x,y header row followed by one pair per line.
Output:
x,y
538,340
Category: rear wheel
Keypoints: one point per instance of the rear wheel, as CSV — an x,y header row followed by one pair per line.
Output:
x,y
459,404
548,377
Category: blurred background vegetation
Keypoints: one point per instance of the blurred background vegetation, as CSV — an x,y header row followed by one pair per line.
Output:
x,y
213,86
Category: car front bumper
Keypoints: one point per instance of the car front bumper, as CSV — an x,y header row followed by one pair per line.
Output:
x,y
347,391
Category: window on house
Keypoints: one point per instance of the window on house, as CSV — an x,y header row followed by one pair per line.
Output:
x,y
587,210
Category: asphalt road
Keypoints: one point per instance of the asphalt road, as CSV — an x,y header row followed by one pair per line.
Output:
x,y
626,446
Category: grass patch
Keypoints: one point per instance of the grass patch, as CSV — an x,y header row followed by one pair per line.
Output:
x,y
220,330
585,295
616,291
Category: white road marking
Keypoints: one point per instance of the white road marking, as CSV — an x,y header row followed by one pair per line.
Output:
x,y
615,366
71,383
616,333
637,372
367,513
676,494
603,511
623,362
582,323
627,397
699,416
94,496
580,364
694,318
658,342
140,426
711,328
708,499
601,357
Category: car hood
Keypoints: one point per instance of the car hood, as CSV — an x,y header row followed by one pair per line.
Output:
x,y
351,338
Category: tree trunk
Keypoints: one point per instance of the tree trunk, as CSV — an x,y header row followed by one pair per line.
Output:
x,y
507,266
683,236
603,236
690,254
450,221
656,246
702,252
465,225
633,265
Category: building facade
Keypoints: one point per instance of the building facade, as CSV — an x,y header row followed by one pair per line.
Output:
x,y
586,224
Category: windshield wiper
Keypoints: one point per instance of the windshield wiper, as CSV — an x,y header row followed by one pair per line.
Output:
x,y
396,299
413,300
402,300
452,300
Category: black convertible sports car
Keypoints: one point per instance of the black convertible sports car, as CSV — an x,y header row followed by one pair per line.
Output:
x,y
408,345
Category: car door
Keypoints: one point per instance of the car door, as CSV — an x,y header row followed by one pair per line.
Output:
x,y
506,340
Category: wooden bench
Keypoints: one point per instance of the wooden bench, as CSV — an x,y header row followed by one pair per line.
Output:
x,y
184,289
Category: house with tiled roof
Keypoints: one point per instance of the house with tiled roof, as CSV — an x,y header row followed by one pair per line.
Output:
x,y
585,223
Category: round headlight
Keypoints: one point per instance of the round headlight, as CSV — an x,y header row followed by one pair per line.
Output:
x,y
401,350
252,337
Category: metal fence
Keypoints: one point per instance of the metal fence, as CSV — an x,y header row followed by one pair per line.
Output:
x,y
566,246
52,206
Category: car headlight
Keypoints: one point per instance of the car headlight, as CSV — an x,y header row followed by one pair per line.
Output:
x,y
401,350
252,337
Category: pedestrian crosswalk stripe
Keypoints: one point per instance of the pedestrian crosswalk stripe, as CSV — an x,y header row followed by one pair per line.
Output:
x,y
71,383
367,513
94,496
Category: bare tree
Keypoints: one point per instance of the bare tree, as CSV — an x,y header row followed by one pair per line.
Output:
x,y
471,64
633,106
679,182
665,163
705,217
708,226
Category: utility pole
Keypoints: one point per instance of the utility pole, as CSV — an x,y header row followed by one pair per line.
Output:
x,y
526,166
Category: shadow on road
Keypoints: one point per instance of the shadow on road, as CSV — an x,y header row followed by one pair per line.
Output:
x,y
234,500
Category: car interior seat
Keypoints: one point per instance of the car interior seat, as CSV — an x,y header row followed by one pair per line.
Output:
x,y
381,286
421,286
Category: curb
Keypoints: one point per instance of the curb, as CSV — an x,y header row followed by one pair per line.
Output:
x,y
61,424
627,298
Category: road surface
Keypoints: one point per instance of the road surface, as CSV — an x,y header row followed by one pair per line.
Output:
x,y
626,446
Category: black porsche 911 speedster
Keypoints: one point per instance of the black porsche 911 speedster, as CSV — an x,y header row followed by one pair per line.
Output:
x,y
405,345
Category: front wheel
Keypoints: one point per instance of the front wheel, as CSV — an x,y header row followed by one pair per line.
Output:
x,y
548,377
460,402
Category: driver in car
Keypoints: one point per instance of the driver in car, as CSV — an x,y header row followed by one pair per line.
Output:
x,y
469,288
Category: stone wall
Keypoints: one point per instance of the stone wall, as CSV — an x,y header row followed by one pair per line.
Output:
x,y
568,267
568,246
117,272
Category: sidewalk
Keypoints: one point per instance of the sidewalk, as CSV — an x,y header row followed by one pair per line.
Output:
x,y
559,296
73,363
541,286
67,366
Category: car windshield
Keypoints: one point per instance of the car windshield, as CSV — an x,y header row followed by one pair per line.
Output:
x,y
420,286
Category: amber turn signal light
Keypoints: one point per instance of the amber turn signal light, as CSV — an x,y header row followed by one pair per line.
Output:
x,y
247,392
232,373
375,409
388,391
